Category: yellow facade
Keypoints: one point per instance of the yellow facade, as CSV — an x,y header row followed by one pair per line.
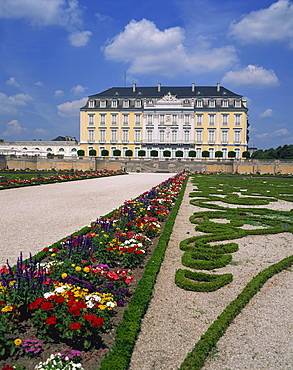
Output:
x,y
162,120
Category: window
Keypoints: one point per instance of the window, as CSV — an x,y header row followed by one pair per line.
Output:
x,y
211,136
186,136
103,104
149,119
91,135
137,103
212,103
199,136
126,104
48,150
125,119
199,103
225,119
238,103
186,119
61,150
174,136
198,153
149,136
137,136
162,119
114,103
102,119
162,136
237,151
113,136
114,119
225,103
212,119
237,119
91,104
102,136
150,101
137,119
199,119
174,119
125,136
186,101
224,136
237,136
212,153
225,153
91,118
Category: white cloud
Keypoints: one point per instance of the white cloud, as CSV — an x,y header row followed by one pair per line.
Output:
x,y
40,131
272,24
13,128
79,38
39,83
78,89
149,50
8,104
12,81
43,12
58,93
252,76
70,109
279,133
266,113
103,18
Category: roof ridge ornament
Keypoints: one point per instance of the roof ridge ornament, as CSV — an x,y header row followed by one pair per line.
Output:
x,y
169,97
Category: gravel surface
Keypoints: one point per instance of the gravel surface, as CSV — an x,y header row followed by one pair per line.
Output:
x,y
260,338
35,217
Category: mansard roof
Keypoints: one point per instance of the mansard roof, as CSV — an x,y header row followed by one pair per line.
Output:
x,y
159,92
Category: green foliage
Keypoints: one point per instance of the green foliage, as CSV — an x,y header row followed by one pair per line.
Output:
x,y
154,153
192,153
179,154
218,154
282,152
129,153
141,153
246,154
116,152
205,154
80,153
92,152
231,154
166,153
104,153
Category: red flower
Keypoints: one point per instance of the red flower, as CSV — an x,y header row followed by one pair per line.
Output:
x,y
75,326
98,321
45,249
36,303
7,367
59,299
51,320
47,306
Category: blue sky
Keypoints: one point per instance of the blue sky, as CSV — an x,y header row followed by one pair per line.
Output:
x,y
54,53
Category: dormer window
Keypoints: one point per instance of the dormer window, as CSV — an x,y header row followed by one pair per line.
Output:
x,y
238,103
91,104
225,103
199,103
103,104
150,101
186,101
114,103
126,104
137,103
212,103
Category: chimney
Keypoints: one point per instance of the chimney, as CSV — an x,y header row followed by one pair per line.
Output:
x,y
159,87
192,86
218,86
133,87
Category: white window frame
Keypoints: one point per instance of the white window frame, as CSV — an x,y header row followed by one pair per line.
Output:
x,y
174,119
125,103
198,136
125,119
237,119
91,118
136,136
212,103
162,119
114,136
225,119
199,103
91,104
237,136
198,153
224,136
186,119
174,136
103,104
125,136
225,103
114,119
199,119
102,136
162,136
137,119
138,104
186,136
91,135
149,119
149,136
114,103
102,118
212,120
211,136
238,103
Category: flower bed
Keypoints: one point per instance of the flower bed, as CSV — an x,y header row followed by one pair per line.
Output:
x,y
71,294
57,178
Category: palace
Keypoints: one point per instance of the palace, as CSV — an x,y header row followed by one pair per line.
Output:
x,y
164,121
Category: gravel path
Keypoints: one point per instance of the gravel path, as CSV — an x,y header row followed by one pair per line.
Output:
x,y
35,217
260,338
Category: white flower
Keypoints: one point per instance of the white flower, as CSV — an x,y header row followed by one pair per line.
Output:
x,y
110,304
48,294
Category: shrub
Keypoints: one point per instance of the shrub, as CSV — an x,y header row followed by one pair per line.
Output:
x,y
246,154
154,153
192,154
104,153
80,153
92,152
205,154
128,153
166,153
219,154
141,153
231,154
178,154
117,152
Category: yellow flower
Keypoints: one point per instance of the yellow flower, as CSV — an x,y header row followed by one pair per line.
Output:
x,y
18,342
77,268
7,308
64,275
12,282
86,269
73,265
53,254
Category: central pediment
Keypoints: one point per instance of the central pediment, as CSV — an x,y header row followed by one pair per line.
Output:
x,y
169,100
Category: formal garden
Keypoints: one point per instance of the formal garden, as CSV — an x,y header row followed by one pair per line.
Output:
x,y
78,304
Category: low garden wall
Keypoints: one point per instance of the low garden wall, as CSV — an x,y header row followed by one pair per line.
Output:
x,y
242,166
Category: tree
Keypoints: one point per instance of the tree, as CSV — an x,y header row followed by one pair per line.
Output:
x,y
80,152
116,152
219,154
205,154
246,154
128,153
92,152
178,154
104,153
166,153
154,153
231,154
141,153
